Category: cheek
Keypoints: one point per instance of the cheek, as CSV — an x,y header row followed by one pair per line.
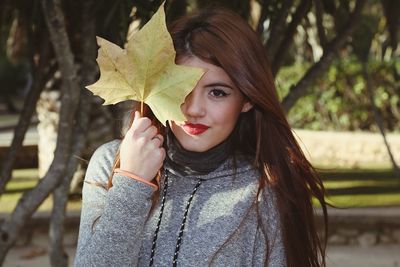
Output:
x,y
227,114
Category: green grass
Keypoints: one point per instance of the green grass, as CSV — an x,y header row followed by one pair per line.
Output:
x,y
367,200
362,187
7,120
359,183
346,188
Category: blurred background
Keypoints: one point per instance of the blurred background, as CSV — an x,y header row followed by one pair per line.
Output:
x,y
337,70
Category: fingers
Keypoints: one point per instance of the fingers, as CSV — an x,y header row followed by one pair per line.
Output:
x,y
141,149
135,119
143,130
161,156
140,124
150,132
137,115
157,140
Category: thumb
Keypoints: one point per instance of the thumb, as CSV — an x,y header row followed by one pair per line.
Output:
x,y
135,118
137,115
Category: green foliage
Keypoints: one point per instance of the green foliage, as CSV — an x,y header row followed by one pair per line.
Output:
x,y
337,101
340,100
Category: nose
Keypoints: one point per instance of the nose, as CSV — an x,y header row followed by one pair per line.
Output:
x,y
194,105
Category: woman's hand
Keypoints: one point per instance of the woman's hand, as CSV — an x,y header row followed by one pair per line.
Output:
x,y
141,151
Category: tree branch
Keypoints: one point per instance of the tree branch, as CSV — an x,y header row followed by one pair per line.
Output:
x,y
176,9
391,9
297,17
277,28
58,257
319,11
377,116
263,17
301,88
31,200
87,51
24,119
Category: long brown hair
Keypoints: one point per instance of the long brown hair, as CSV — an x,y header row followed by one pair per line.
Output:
x,y
223,38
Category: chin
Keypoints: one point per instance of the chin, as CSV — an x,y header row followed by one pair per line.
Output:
x,y
189,146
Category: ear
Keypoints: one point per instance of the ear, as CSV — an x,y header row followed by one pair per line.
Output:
x,y
247,106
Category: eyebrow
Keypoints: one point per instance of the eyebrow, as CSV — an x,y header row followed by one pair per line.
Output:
x,y
219,84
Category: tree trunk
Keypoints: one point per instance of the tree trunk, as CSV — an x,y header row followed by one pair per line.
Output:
x,y
58,256
31,200
25,117
87,51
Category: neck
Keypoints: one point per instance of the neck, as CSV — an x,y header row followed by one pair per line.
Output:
x,y
195,163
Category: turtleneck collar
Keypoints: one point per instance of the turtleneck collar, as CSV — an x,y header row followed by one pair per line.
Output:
x,y
185,162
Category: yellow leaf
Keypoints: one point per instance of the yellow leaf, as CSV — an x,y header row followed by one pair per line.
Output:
x,y
145,71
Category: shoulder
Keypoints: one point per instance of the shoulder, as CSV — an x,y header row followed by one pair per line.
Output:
x,y
106,152
101,162
249,177
245,169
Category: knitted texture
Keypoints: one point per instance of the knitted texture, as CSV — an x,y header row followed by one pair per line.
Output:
x,y
117,225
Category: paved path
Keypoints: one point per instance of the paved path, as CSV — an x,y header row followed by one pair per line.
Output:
x,y
338,256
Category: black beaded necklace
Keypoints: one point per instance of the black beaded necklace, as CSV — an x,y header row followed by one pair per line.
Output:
x,y
180,235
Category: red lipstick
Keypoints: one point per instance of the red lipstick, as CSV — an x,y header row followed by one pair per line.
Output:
x,y
195,129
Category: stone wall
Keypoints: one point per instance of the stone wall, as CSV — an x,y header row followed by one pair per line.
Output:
x,y
348,149
365,238
363,226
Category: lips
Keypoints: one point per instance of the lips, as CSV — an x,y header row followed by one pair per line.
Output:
x,y
195,129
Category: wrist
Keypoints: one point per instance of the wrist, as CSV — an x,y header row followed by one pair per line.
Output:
x,y
136,177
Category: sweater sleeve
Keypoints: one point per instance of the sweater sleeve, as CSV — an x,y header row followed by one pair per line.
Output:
x,y
272,228
112,220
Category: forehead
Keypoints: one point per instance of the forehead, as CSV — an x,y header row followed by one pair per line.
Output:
x,y
212,73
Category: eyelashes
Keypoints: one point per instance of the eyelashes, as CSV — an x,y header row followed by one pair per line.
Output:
x,y
218,93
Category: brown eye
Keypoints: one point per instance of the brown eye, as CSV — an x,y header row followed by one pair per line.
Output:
x,y
218,93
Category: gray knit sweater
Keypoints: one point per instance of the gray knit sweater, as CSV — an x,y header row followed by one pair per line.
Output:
x,y
117,225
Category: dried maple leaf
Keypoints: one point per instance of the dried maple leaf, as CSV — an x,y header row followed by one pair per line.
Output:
x,y
145,71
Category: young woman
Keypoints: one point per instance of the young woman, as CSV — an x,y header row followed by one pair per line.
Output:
x,y
235,188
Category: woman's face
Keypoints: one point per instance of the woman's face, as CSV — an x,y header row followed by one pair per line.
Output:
x,y
211,109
